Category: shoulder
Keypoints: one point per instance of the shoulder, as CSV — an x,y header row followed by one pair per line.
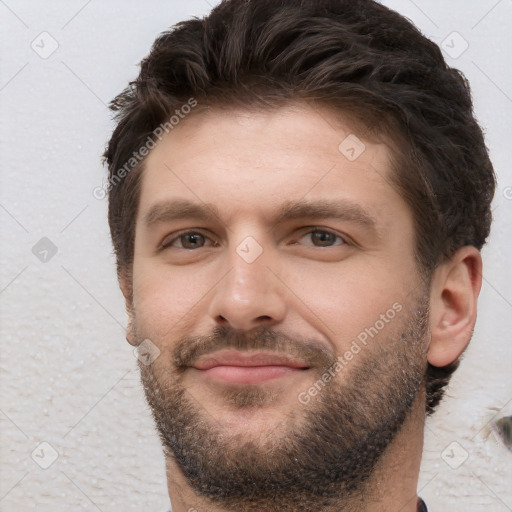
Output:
x,y
421,507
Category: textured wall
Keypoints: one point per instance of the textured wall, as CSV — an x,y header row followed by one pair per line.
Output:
x,y
68,378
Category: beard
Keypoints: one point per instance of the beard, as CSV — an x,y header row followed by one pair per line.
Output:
x,y
321,455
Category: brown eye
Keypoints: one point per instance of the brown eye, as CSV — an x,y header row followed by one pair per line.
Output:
x,y
192,240
322,238
189,241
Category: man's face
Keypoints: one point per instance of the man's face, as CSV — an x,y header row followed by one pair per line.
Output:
x,y
259,235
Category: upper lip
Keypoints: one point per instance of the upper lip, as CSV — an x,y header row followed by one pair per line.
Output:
x,y
236,358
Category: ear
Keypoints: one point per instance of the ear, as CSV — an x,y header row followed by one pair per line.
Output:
x,y
124,278
454,292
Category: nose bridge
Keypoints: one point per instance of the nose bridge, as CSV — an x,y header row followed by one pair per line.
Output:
x,y
249,294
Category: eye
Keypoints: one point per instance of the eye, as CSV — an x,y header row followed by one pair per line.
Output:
x,y
189,240
322,238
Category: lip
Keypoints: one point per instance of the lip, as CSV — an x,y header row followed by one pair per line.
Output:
x,y
233,367
248,359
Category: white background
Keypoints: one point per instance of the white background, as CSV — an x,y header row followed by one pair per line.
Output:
x,y
68,378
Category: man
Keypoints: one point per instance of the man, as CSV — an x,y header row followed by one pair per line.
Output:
x,y
298,197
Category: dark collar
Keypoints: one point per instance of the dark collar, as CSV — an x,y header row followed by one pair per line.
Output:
x,y
421,507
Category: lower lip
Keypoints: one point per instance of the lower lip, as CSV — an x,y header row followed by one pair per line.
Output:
x,y
250,374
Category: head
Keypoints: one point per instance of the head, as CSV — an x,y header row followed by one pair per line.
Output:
x,y
239,120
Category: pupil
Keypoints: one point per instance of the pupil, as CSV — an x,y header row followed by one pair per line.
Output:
x,y
192,240
323,237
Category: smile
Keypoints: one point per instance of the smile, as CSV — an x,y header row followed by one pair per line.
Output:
x,y
249,374
248,368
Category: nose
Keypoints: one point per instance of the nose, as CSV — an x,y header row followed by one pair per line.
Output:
x,y
249,295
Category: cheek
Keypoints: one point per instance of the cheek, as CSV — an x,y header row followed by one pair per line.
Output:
x,y
167,300
342,301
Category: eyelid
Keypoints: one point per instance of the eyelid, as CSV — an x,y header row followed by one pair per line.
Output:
x,y
311,229
166,242
305,230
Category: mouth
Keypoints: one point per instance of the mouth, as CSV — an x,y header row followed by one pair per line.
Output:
x,y
248,367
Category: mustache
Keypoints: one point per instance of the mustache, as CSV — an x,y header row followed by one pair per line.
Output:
x,y
191,348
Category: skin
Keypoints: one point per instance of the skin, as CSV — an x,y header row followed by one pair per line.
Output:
x,y
247,165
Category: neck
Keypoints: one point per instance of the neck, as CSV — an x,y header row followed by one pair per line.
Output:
x,y
391,488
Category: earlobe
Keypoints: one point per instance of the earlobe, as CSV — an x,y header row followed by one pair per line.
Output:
x,y
455,287
125,283
130,333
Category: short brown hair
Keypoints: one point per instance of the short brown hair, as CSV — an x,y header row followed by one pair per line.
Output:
x,y
356,56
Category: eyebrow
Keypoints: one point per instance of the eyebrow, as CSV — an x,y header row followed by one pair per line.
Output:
x,y
326,209
168,211
180,209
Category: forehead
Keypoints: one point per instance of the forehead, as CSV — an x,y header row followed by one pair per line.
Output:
x,y
249,163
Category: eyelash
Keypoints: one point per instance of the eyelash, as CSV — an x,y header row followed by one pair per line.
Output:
x,y
310,230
